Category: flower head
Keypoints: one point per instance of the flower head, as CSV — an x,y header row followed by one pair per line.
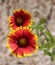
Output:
x,y
20,18
22,42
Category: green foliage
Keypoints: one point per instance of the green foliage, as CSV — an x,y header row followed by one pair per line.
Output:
x,y
50,40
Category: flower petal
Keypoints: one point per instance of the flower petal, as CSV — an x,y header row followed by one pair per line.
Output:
x,y
18,52
13,46
27,34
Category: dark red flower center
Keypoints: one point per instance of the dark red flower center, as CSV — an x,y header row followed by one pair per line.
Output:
x,y
22,42
19,21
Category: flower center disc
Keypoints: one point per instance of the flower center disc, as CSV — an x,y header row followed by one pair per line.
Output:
x,y
19,20
22,41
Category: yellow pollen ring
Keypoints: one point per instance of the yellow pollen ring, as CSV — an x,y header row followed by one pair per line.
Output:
x,y
22,41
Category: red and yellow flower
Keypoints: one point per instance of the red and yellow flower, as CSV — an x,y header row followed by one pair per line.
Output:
x,y
20,18
22,42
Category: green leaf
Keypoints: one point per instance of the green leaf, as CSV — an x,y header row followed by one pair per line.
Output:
x,y
41,23
47,52
50,40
